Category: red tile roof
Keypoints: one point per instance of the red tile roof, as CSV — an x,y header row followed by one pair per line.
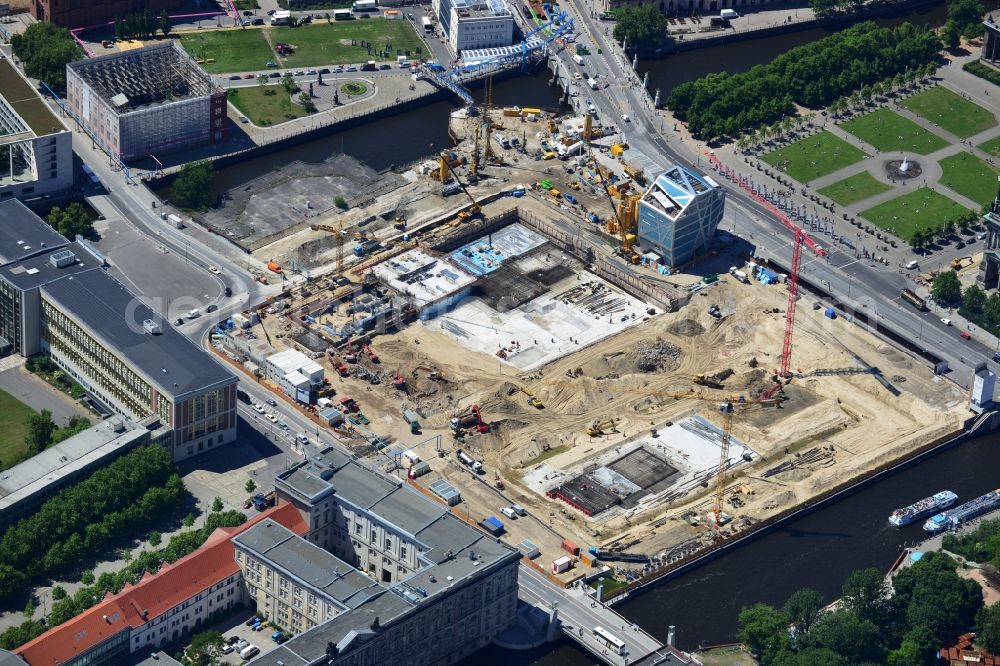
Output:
x,y
962,654
152,596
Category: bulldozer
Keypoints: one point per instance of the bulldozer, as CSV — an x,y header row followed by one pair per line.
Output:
x,y
599,428
702,379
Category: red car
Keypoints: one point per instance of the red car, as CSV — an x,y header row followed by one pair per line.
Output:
x,y
965,335
247,504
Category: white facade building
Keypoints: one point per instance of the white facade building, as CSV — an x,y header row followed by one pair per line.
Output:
x,y
475,24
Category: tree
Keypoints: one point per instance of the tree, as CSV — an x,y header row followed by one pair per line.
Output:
x,y
810,657
87,578
188,520
973,299
205,648
40,429
288,81
155,539
250,486
988,627
217,505
340,202
951,35
29,608
843,632
865,593
946,288
59,592
803,609
165,23
71,220
823,7
643,27
765,629
192,188
119,29
991,311
45,50
307,103
932,596
967,15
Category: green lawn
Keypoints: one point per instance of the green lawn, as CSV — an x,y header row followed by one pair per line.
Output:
x,y
330,43
922,209
318,44
263,108
951,111
854,188
992,147
970,176
13,428
233,50
814,156
890,131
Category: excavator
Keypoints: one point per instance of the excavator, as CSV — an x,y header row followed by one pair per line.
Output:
x,y
432,373
703,379
599,428
470,420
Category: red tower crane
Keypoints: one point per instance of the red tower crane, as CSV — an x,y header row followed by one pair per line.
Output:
x,y
799,237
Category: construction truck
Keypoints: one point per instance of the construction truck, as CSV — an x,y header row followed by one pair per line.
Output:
x,y
370,353
274,267
532,400
262,501
959,263
349,405
469,420
432,373
599,428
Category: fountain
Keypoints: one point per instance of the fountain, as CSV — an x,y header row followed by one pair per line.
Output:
x,y
903,169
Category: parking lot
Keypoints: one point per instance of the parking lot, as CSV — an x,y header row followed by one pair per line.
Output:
x,y
261,639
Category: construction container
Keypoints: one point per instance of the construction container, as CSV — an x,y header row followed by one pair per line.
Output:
x,y
419,469
830,313
493,525
588,560
528,549
562,564
570,547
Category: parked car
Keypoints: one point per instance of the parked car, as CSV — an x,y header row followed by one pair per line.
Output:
x,y
178,322
311,72
325,70
247,503
272,402
248,76
235,77
299,73
965,335
247,12
270,12
351,68
385,67
275,75
232,640
252,621
257,21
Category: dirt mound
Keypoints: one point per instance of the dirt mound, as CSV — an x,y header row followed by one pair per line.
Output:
x,y
658,354
756,381
686,327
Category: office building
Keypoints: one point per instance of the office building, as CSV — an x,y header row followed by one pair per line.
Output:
x,y
678,215
147,101
294,372
382,571
57,299
161,608
25,486
475,24
36,150
991,42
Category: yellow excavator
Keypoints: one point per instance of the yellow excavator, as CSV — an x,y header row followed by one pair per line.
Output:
x,y
599,428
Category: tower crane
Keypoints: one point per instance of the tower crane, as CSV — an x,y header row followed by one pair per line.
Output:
x,y
339,232
799,238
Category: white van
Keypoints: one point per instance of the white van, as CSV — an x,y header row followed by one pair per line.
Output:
x,y
910,265
301,438
518,509
194,313
249,652
509,512
578,60
728,14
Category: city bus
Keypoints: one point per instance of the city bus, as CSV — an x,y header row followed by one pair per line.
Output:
x,y
428,24
91,176
609,640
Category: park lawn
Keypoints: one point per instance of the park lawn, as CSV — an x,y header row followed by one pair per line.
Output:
x,y
854,188
889,131
951,111
265,109
970,176
13,429
233,50
992,147
814,156
330,43
921,209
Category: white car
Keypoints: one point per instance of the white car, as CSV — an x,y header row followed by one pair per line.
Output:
x,y
258,409
214,269
625,117
946,322
272,418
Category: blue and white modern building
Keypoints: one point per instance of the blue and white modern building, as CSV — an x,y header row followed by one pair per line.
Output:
x,y
678,215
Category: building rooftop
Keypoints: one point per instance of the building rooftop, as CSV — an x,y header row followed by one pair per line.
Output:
x,y
317,568
675,189
423,276
153,595
23,234
170,361
480,8
78,452
158,74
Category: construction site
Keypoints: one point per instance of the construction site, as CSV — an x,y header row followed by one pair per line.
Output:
x,y
503,344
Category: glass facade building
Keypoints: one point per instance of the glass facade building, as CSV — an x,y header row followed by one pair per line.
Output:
x,y
678,215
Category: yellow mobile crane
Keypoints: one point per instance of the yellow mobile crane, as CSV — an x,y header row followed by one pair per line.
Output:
x,y
339,232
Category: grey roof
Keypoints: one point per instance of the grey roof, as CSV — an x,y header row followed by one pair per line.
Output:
x,y
24,234
318,569
447,535
79,451
405,511
39,269
169,360
156,659
8,658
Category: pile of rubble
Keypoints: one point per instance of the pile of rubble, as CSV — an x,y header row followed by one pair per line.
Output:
x,y
652,355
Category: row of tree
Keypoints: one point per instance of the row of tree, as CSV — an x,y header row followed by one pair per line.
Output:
x,y
46,49
722,104
142,25
981,544
80,520
899,624
945,229
65,607
192,189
